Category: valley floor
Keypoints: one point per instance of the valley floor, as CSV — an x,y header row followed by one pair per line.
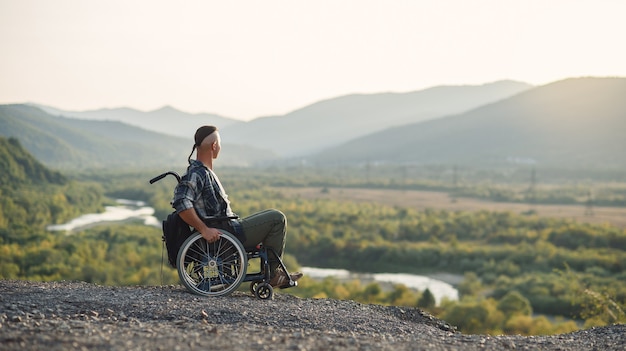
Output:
x,y
421,200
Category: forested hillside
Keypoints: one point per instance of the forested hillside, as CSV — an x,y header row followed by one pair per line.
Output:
x,y
33,196
20,167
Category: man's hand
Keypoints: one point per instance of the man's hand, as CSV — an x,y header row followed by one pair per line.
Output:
x,y
190,217
210,234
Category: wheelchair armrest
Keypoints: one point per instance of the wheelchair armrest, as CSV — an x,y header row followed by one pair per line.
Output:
x,y
218,218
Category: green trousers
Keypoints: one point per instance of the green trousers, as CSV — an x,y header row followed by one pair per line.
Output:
x,y
268,227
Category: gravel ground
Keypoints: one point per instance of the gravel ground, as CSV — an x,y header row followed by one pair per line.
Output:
x,y
82,316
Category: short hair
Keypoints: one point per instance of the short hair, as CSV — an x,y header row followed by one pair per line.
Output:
x,y
202,133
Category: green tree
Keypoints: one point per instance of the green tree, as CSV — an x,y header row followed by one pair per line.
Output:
x,y
427,300
474,317
470,286
514,304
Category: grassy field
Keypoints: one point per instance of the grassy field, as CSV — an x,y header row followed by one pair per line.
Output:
x,y
438,200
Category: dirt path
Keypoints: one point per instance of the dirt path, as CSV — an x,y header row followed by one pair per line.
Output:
x,y
438,200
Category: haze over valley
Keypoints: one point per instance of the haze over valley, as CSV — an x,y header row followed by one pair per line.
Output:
x,y
573,123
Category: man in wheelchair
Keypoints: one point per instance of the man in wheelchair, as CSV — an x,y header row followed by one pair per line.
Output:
x,y
199,194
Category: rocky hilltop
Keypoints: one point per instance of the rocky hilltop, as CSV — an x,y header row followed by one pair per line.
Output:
x,y
82,316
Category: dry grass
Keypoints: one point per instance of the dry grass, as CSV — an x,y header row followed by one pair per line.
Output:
x,y
438,200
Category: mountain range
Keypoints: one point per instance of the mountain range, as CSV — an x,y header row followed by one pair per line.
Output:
x,y
332,122
570,123
71,143
328,123
166,120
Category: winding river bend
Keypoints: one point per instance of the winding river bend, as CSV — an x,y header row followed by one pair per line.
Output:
x,y
124,211
439,288
440,285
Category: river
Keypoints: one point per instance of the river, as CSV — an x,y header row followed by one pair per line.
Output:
x,y
124,211
439,284
439,288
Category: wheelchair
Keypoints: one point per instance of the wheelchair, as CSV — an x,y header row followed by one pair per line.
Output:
x,y
219,268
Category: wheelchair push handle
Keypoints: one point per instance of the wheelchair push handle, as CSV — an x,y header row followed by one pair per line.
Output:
x,y
161,176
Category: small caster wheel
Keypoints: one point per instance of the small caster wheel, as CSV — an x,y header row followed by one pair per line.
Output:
x,y
264,291
254,285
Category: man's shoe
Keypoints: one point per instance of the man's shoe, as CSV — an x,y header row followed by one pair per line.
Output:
x,y
281,279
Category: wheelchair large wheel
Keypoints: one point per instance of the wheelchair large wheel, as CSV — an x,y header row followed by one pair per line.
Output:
x,y
212,269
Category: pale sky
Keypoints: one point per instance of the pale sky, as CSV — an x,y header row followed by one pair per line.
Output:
x,y
251,58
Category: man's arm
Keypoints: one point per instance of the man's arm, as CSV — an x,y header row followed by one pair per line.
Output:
x,y
191,217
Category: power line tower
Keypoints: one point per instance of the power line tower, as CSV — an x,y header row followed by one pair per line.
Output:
x,y
455,177
403,178
530,196
455,184
589,205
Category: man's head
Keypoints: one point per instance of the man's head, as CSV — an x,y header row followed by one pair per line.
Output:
x,y
207,143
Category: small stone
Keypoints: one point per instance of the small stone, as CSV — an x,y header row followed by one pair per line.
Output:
x,y
508,344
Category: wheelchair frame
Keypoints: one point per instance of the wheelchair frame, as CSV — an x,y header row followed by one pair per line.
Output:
x,y
219,268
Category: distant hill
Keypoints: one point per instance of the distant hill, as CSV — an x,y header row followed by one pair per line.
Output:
x,y
20,167
70,143
578,122
332,122
166,120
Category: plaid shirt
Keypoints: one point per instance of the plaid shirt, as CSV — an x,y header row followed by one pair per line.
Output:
x,y
200,188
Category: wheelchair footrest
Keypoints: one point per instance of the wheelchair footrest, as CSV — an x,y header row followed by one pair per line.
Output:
x,y
289,284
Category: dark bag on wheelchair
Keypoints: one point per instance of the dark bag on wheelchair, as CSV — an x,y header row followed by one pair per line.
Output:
x,y
175,232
